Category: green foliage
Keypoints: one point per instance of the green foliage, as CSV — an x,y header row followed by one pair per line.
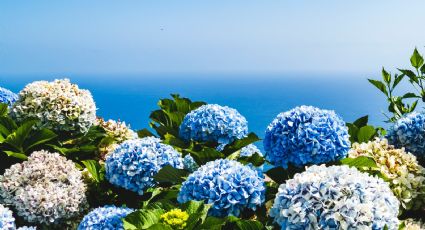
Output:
x,y
17,141
400,105
360,131
171,175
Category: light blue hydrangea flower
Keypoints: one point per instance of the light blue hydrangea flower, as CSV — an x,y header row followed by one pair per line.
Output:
x,y
105,218
214,123
27,228
306,135
7,96
189,163
336,197
409,132
7,221
228,185
249,150
133,163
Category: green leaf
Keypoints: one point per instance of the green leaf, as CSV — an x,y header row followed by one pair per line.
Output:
x,y
366,133
255,159
142,219
160,226
8,123
410,95
145,133
3,109
39,137
362,121
423,69
16,155
352,131
379,85
386,76
238,144
174,141
212,223
197,211
397,79
205,155
94,169
242,224
280,175
362,162
416,60
17,138
169,174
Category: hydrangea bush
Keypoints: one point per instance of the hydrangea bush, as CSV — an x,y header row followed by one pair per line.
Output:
x,y
405,175
306,135
105,218
59,105
46,189
228,185
409,132
7,96
336,197
134,163
214,123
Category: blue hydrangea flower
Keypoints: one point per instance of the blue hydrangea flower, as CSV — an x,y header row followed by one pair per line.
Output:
x,y
133,163
7,221
336,197
7,96
249,150
105,218
409,132
189,163
214,123
306,135
228,185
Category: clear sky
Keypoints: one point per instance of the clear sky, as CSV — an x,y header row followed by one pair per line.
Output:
x,y
218,36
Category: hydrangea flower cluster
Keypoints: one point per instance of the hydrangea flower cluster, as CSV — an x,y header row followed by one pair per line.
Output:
x,y
59,105
409,132
411,224
306,135
189,163
46,189
7,96
134,163
105,218
249,150
214,123
175,218
228,185
118,131
407,177
7,221
336,197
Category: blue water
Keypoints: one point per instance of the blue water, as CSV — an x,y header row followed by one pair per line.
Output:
x,y
258,97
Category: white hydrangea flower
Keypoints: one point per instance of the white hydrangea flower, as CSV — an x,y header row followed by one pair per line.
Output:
x,y
407,177
59,105
117,130
46,189
411,224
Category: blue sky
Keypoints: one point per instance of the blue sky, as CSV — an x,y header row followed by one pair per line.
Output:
x,y
133,37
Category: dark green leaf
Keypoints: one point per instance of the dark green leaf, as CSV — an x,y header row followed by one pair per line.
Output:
x,y
8,123
205,155
386,76
197,211
145,133
212,223
366,133
3,109
174,141
416,60
379,85
169,174
352,131
238,144
255,159
17,138
39,137
397,79
16,155
362,121
410,95
160,226
412,76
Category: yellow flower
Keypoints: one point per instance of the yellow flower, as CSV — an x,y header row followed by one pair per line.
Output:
x,y
176,218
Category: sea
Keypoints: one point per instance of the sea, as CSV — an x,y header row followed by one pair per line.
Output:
x,y
258,97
